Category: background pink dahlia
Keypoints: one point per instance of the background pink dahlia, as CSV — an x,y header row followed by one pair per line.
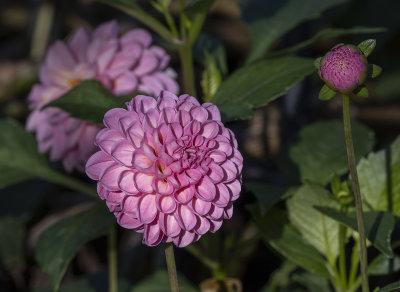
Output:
x,y
123,65
167,168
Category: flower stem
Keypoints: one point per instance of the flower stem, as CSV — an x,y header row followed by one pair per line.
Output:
x,y
146,19
112,260
354,262
342,256
173,277
212,265
185,54
357,194
70,183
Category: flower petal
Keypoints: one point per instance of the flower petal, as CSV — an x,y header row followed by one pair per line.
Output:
x,y
152,235
184,195
128,222
123,152
109,177
106,139
144,182
107,30
130,205
203,226
199,113
216,173
112,117
97,163
201,207
223,197
169,225
163,187
185,238
206,189
146,209
186,219
137,36
126,182
165,204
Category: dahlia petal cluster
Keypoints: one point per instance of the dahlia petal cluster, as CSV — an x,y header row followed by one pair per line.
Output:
x,y
123,65
344,68
167,168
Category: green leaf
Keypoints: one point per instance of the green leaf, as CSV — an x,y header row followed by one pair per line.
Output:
x,y
267,195
19,157
318,229
379,176
88,101
327,34
321,151
127,3
378,226
91,283
195,14
317,63
58,244
258,84
381,265
159,282
196,7
285,239
207,44
313,283
395,286
374,70
12,230
387,87
266,30
367,46
326,93
362,92
131,8
280,277
211,78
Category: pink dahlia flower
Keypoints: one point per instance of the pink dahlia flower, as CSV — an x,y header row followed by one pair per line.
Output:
x,y
344,68
123,65
167,168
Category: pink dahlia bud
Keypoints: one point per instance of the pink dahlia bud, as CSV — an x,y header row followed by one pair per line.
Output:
x,y
344,68
124,65
167,168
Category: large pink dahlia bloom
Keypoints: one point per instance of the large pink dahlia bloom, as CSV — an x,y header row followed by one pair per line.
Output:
x,y
123,65
167,168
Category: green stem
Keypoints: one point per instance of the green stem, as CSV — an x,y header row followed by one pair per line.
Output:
x,y
182,19
147,20
112,260
342,256
354,262
173,277
212,265
357,194
185,54
71,183
171,23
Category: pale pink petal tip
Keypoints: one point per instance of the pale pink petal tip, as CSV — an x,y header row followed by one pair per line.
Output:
x,y
167,168
123,64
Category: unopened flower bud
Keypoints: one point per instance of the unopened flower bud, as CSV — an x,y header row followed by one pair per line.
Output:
x,y
344,68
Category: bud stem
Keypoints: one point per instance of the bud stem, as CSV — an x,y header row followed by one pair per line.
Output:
x,y
173,277
112,260
357,193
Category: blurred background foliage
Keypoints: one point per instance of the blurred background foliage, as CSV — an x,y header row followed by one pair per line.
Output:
x,y
234,35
